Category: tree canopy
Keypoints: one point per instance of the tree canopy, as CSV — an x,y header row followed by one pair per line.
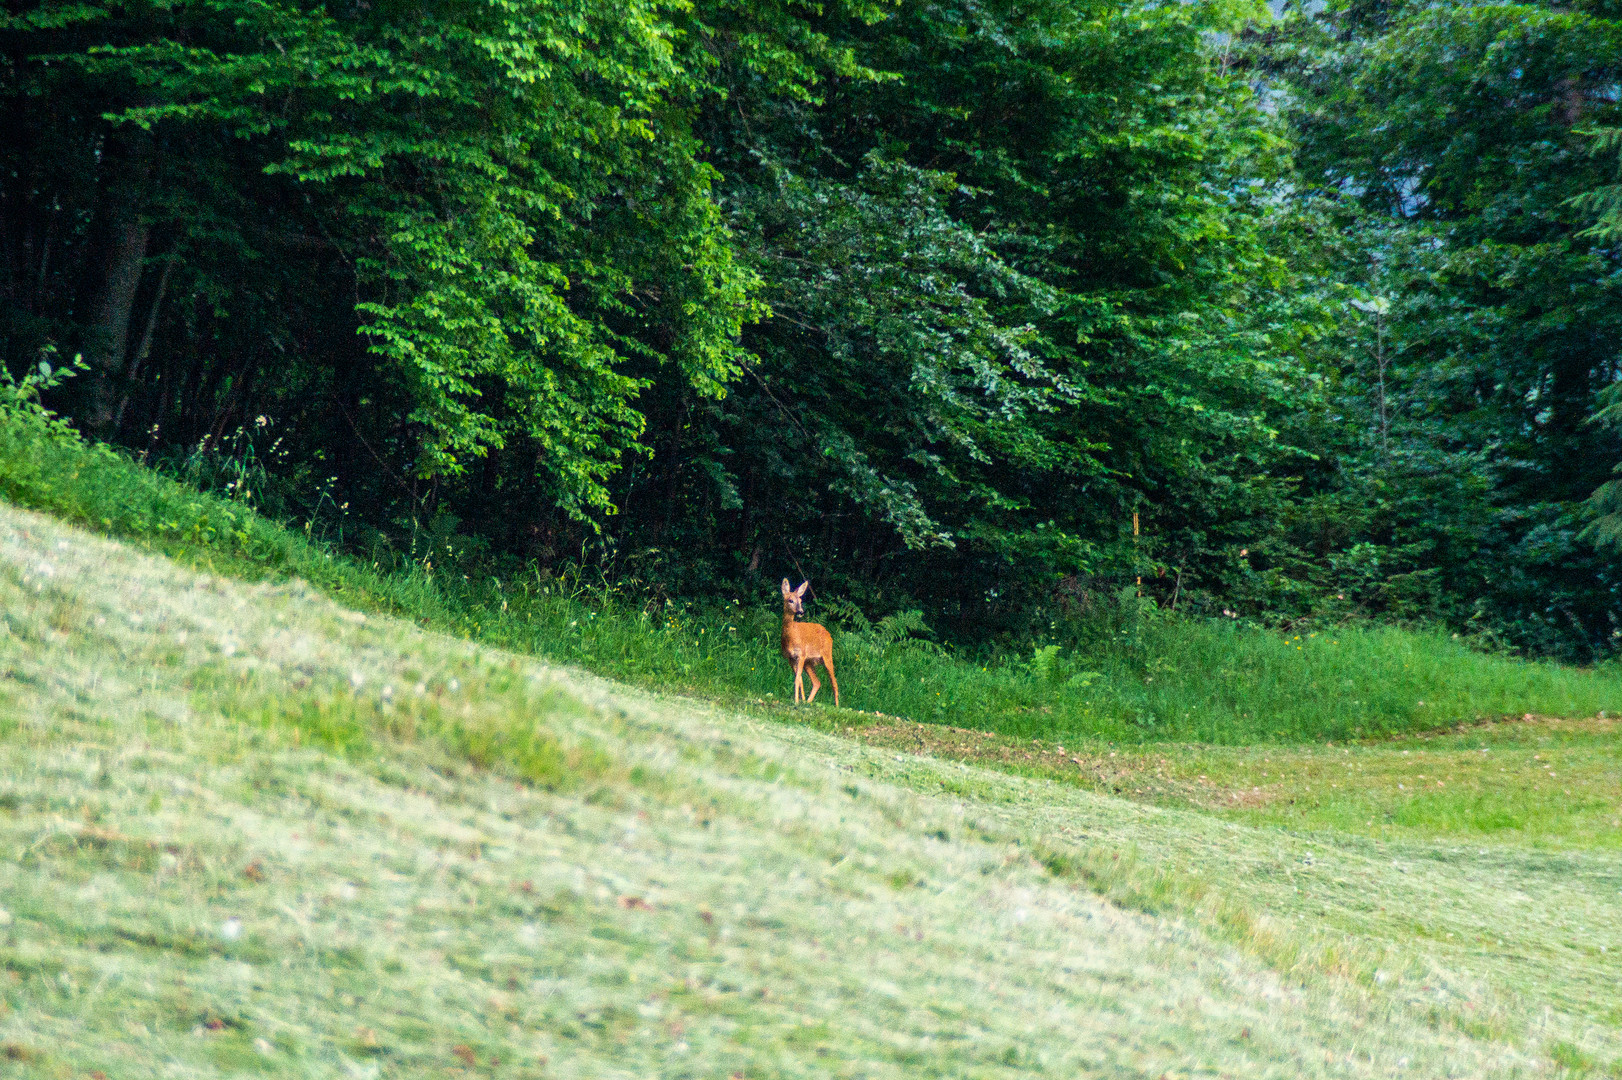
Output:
x,y
982,308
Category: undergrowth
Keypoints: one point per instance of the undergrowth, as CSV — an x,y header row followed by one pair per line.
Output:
x,y
1133,675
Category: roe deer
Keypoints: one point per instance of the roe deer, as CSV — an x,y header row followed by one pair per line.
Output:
x,y
805,645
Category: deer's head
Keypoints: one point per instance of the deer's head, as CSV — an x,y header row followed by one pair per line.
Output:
x,y
794,599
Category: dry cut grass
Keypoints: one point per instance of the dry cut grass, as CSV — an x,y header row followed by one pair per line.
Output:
x,y
1545,782
245,831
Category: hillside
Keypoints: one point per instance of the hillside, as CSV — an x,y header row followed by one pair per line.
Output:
x,y
247,830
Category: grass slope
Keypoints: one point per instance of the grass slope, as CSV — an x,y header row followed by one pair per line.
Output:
x,y
1148,679
245,830
1544,782
1148,682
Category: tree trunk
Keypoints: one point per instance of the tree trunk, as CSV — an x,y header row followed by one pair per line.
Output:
x,y
144,350
119,244
672,456
746,518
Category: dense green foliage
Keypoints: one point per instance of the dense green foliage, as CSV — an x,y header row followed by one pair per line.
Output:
x,y
1141,675
436,240
1450,154
1604,203
979,309
1019,292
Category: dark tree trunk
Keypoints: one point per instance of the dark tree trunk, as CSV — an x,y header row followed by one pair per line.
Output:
x,y
672,456
208,395
144,349
190,380
232,395
746,514
118,251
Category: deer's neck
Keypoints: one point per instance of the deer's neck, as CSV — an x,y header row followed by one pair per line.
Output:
x,y
788,622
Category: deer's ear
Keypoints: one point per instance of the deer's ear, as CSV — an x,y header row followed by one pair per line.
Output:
x,y
786,589
804,586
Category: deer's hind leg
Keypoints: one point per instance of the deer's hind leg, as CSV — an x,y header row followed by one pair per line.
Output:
x,y
816,683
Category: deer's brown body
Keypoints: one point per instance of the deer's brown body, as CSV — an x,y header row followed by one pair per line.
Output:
x,y
805,645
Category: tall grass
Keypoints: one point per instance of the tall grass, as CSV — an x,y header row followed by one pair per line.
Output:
x,y
1163,679
1141,677
46,465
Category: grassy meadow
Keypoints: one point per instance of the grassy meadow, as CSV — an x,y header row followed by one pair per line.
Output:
x,y
262,816
248,831
1173,680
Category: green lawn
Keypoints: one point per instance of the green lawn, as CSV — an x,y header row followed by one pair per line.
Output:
x,y
247,831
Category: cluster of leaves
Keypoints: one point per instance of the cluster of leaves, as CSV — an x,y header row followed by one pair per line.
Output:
x,y
458,223
1604,204
1020,290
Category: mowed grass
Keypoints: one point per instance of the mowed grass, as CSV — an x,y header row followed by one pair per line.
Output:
x,y
1142,678
1542,783
245,831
